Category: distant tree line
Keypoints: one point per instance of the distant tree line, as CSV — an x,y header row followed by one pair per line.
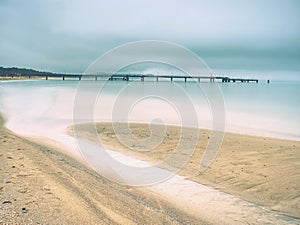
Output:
x,y
14,71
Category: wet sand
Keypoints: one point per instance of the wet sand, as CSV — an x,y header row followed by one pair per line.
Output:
x,y
40,185
264,171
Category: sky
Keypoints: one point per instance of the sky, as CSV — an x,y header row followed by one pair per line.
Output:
x,y
68,35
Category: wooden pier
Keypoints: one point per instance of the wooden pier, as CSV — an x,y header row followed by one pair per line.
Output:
x,y
141,77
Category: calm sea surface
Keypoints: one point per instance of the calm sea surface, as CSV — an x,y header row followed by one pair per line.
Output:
x,y
272,110
46,108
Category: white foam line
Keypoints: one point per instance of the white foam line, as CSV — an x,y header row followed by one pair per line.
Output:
x,y
216,206
203,201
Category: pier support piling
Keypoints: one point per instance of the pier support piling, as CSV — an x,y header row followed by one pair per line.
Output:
x,y
127,77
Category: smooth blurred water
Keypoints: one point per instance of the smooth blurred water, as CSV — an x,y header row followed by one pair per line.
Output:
x,y
46,108
260,109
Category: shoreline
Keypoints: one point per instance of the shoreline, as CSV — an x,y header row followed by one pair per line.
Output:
x,y
19,78
161,199
43,185
257,169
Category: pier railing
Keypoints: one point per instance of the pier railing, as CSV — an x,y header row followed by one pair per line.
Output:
x,y
142,77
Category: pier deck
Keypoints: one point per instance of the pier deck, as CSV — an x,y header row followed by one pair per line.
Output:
x,y
142,77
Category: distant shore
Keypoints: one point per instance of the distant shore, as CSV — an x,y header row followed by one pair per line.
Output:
x,y
261,170
16,78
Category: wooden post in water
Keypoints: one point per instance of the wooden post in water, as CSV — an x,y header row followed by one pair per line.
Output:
x,y
185,79
157,79
63,77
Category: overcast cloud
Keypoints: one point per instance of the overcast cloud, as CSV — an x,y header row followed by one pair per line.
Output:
x,y
67,35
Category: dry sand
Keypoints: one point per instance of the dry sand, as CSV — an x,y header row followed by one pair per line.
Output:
x,y
42,186
261,170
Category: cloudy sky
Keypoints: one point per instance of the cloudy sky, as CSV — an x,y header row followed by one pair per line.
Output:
x,y
68,35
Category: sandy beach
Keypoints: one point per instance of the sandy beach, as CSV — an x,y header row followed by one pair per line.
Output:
x,y
264,171
40,185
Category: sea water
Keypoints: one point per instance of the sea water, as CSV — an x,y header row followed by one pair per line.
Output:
x,y
270,110
45,108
